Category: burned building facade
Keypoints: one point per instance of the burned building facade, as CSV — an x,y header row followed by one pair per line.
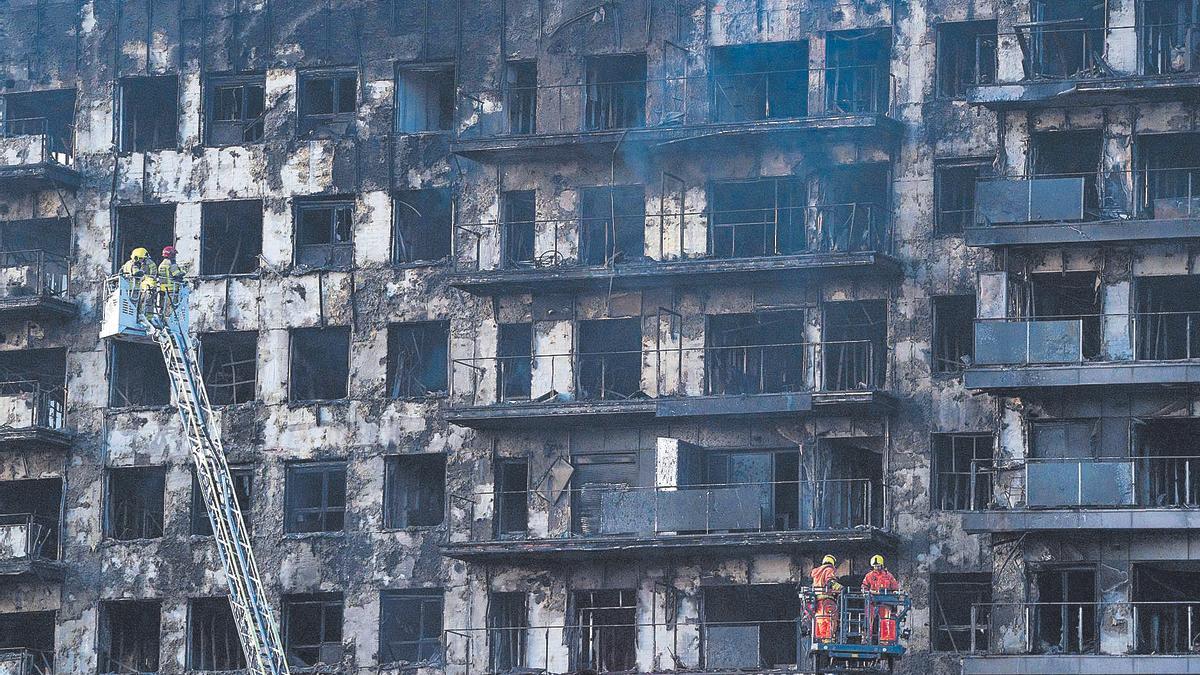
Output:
x,y
570,335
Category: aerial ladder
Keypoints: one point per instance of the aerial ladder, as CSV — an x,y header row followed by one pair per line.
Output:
x,y
146,315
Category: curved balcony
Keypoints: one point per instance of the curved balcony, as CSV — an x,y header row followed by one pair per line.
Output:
x,y
35,284
32,415
36,156
29,547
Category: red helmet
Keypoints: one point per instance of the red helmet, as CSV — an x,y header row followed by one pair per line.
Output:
x,y
168,251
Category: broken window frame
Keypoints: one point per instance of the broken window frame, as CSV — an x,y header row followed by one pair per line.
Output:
x,y
139,225
954,77
774,609
35,505
321,393
957,487
1156,59
330,631
622,218
338,79
954,181
518,249
237,376
514,361
1166,171
613,372
1078,621
55,123
777,91
1044,35
414,490
745,364
507,625
327,512
413,356
164,132
512,498
426,97
146,647
845,89
146,508
411,228
977,589
782,220
601,613
851,363
612,101
953,343
222,650
221,221
151,390
30,633
335,250
241,116
520,96
427,604
243,490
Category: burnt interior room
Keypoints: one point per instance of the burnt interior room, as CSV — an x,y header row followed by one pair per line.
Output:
x,y
134,500
615,95
149,108
214,644
1167,38
1167,317
757,218
1167,179
519,229
32,632
1168,597
514,361
607,621
137,375
229,361
33,387
324,232
1073,154
760,81
856,71
423,223
236,110
750,626
1064,39
609,359
854,345
418,358
512,498
507,622
612,224
320,364
50,113
1167,462
1067,295
841,485
760,353
129,636
1065,616
36,503
230,237
852,207
149,226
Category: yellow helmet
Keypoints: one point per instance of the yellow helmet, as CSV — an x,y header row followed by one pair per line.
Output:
x,y
876,561
829,560
139,253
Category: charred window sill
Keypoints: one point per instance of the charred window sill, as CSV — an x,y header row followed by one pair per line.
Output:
x,y
299,536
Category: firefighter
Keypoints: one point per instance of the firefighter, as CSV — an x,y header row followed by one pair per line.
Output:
x,y
170,275
141,271
879,580
827,589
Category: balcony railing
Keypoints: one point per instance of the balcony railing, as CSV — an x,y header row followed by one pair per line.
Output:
x,y
1065,50
34,273
832,366
25,536
853,227
1150,481
1088,338
1129,195
30,404
1149,627
20,661
676,100
39,143
608,510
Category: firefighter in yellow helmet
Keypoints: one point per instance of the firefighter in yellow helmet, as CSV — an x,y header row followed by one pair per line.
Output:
x,y
878,581
827,589
141,271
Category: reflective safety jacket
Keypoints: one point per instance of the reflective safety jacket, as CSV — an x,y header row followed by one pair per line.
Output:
x,y
880,581
170,275
824,581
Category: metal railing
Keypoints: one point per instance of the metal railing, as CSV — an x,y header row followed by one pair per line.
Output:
x,y
54,146
22,661
35,273
1145,481
1069,50
552,243
617,510
1130,627
679,98
26,404
1080,338
28,536
1146,193
847,365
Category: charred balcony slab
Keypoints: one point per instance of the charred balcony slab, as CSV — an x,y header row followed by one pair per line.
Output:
x,y
27,548
1108,91
36,155
1098,664
857,539
706,271
1086,233
773,405
514,414
1088,374
1055,520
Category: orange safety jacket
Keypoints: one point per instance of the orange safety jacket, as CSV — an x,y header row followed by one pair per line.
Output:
x,y
824,581
880,581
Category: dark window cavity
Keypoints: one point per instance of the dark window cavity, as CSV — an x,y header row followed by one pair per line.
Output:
x,y
512,497
229,361
1167,177
324,232
857,71
129,636
414,490
855,345
608,632
50,114
966,56
243,490
962,471
31,633
761,353
954,192
520,96
320,364
1168,37
1068,296
214,644
316,497
418,354
135,503
612,224
616,92
148,226
853,208
1064,619
312,629
33,508
953,332
33,381
328,99
952,597
424,220
757,218
507,622
1065,40
137,375
235,109
760,81
608,359
230,237
149,113
425,98
514,361
1167,318
769,610
410,626
1070,154
519,228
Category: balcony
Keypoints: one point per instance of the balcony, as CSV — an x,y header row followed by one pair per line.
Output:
x,y
1159,492
35,284
1142,349
611,519
1083,62
36,156
772,380
19,661
705,111
32,415
1084,637
752,245
29,547
1122,206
